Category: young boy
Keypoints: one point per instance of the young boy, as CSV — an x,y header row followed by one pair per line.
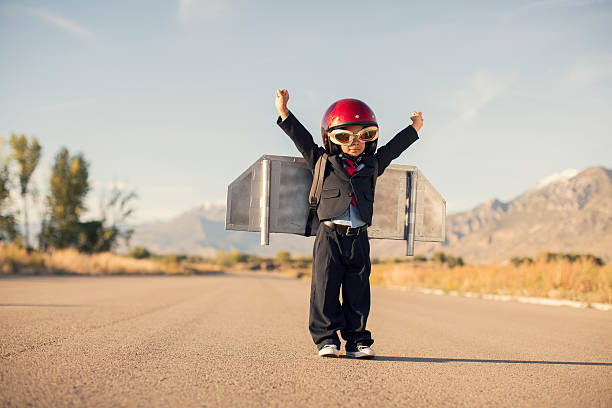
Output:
x,y
341,253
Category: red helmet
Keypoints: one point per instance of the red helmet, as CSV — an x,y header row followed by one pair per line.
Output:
x,y
347,112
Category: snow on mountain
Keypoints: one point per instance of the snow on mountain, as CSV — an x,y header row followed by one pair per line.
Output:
x,y
556,177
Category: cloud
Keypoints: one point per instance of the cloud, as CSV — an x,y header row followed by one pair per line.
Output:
x,y
191,11
589,70
481,89
60,22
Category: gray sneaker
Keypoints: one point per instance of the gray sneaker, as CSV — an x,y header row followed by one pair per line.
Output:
x,y
362,352
329,350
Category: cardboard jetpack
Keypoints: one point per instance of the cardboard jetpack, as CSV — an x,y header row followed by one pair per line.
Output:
x,y
271,196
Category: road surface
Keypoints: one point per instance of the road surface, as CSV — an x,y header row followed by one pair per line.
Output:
x,y
242,340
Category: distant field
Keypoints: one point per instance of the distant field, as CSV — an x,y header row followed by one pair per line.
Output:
x,y
580,280
70,261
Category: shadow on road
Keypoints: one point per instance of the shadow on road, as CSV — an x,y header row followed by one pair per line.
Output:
x,y
476,360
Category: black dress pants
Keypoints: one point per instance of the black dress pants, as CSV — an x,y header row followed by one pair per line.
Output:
x,y
340,262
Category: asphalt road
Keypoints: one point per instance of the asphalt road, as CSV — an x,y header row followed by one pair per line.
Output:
x,y
242,340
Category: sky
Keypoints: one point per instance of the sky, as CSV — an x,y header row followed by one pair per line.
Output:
x,y
175,99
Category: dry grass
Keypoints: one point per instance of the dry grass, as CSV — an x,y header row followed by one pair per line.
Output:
x,y
70,261
14,259
580,281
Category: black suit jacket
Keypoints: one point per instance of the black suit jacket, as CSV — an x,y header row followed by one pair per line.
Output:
x,y
338,186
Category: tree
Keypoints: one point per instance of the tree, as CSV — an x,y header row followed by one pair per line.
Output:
x,y
114,212
8,230
27,156
66,200
102,235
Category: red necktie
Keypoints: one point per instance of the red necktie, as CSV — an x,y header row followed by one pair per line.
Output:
x,y
351,169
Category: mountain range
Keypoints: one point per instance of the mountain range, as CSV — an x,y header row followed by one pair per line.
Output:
x,y
567,212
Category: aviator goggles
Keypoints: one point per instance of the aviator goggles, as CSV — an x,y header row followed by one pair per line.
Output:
x,y
346,137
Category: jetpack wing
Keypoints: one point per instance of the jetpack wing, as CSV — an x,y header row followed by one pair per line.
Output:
x,y
271,196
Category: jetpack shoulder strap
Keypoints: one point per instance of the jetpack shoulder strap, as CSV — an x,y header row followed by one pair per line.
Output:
x,y
315,191
375,176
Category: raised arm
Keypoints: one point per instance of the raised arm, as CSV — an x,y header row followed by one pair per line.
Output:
x,y
400,142
296,131
282,97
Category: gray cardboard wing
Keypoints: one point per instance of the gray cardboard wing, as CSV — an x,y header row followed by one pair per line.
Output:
x,y
271,196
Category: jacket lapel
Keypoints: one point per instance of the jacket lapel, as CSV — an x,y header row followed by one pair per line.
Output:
x,y
338,166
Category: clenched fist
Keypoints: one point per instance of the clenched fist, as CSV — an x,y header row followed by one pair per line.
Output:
x,y
417,120
282,97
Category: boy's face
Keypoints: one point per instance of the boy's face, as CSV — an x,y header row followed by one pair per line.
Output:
x,y
357,147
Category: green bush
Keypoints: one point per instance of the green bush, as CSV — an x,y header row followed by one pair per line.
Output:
x,y
450,260
223,259
518,261
238,257
139,253
549,257
231,258
439,257
283,256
